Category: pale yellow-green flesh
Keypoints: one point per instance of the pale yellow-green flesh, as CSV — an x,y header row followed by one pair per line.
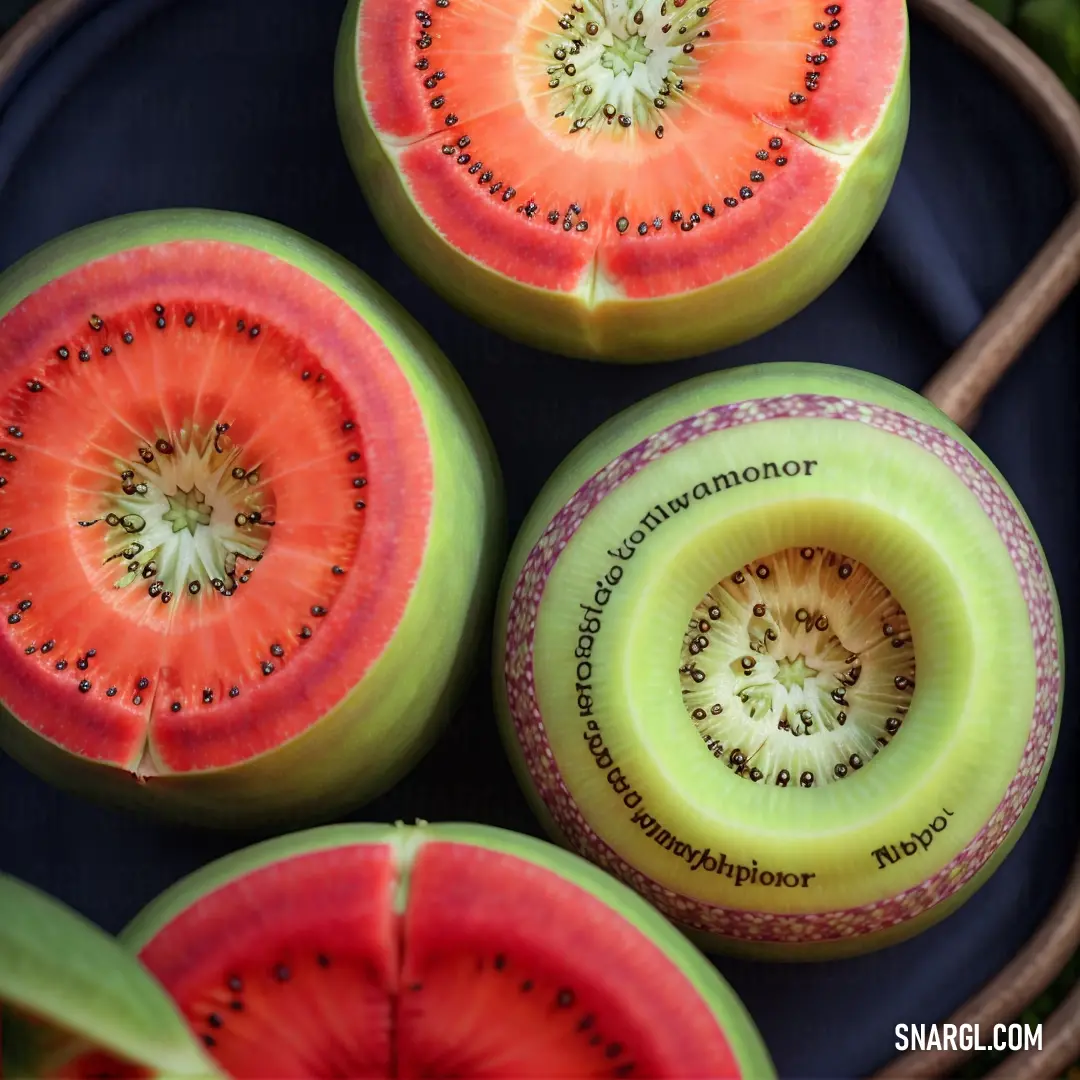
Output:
x,y
596,323
873,496
406,840
378,732
85,990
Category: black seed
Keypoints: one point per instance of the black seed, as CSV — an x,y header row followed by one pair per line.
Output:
x,y
841,718
84,686
161,322
448,150
757,176
438,103
305,632
526,986
729,201
676,216
158,309
163,447
746,193
819,26
657,223
34,386
855,761
276,650
143,683
234,691
82,663
833,9
111,692
781,161
892,725
586,1022
901,683
643,228
60,665
128,337
15,433
796,99
694,219
155,588
48,646
828,42
267,668
622,225
189,319
841,770
235,984
451,120
14,618
175,706
613,1050
500,962
359,504
354,456
709,209
624,120
254,331
146,454
207,696
318,611
421,64
564,999
193,587
62,352
688,47
686,226
209,1040
137,699
807,779
348,425
322,960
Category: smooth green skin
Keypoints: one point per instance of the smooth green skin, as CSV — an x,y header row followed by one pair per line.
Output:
x,y
63,970
628,428
731,1014
371,738
609,327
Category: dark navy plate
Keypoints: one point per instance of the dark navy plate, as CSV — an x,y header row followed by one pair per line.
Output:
x,y
139,104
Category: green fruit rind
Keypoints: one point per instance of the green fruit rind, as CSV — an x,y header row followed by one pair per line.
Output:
x,y
632,427
59,968
377,733
738,1027
607,327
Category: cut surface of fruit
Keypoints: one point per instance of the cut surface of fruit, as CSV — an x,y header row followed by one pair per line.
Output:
x,y
74,1003
208,427
436,951
779,648
622,154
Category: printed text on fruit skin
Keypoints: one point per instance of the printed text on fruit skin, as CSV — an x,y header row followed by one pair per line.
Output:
x,y
888,854
590,625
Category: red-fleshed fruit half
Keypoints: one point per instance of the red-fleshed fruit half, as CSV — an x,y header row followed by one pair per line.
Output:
x,y
628,180
243,499
437,951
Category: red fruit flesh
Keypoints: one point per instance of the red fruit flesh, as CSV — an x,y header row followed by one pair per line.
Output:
x,y
496,968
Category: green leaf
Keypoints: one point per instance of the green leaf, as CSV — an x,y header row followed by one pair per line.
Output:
x,y
66,982
1002,10
1052,29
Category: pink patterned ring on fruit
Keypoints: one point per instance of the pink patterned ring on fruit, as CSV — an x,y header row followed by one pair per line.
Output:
x,y
763,926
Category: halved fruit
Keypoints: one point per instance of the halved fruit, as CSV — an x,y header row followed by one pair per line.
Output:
x,y
244,500
779,648
73,1003
445,950
626,179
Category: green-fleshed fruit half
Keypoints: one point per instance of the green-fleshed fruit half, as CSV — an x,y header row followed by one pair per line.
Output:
x,y
628,180
73,1003
241,494
445,950
779,647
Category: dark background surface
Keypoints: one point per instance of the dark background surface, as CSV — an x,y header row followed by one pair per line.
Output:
x,y
145,103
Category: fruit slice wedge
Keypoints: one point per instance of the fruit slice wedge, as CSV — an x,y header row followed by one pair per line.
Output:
x,y
779,647
74,1003
446,950
626,179
243,501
